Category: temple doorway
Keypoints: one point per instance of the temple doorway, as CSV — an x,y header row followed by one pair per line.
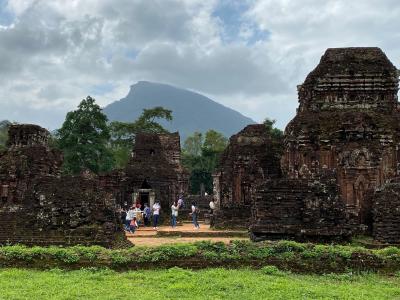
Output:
x,y
145,194
144,197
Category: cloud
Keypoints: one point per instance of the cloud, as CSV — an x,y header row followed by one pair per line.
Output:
x,y
248,55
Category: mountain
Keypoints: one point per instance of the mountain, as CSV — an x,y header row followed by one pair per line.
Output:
x,y
191,111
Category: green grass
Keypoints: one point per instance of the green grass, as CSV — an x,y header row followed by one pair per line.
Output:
x,y
175,283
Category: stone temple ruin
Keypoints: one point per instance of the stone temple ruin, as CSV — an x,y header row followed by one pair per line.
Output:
x,y
249,160
340,160
341,147
155,171
40,206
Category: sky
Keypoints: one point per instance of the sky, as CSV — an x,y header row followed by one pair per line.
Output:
x,y
245,54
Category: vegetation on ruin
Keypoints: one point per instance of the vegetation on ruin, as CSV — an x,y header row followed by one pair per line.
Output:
x,y
286,255
274,132
177,283
201,156
276,137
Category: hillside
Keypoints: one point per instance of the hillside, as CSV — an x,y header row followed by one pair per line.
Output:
x,y
191,111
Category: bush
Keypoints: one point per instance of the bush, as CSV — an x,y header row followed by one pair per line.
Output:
x,y
205,254
289,246
389,252
272,270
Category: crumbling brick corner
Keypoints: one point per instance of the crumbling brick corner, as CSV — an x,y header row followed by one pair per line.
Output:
x,y
39,206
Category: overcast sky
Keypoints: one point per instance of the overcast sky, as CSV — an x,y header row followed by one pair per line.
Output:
x,y
248,55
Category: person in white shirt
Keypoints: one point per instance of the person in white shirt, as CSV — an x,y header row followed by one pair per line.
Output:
x,y
195,212
174,213
156,214
212,206
129,217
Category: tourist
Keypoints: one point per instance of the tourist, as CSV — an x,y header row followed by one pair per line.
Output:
x,y
212,206
129,217
146,214
138,215
138,204
133,225
195,214
156,214
174,213
181,203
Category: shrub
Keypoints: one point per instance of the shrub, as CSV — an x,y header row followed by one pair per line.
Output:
x,y
272,270
289,246
119,259
389,252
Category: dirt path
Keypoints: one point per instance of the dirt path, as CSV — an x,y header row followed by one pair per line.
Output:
x,y
147,236
157,241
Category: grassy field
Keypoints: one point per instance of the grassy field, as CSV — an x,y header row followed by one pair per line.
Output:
x,y
175,283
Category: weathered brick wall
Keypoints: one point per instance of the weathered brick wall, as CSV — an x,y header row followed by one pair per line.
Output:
x,y
156,166
38,206
67,210
299,209
347,131
386,213
249,160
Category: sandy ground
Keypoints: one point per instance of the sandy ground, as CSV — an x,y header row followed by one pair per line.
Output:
x,y
156,241
147,236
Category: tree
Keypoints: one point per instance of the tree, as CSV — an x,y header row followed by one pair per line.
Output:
x,y
276,137
275,133
193,144
84,139
215,141
201,156
123,133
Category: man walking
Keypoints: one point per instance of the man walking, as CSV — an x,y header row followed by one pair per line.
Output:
x,y
195,214
156,214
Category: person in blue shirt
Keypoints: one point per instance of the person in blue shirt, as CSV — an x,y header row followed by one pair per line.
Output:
x,y
146,214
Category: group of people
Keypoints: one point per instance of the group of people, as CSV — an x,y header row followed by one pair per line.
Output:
x,y
177,205
135,216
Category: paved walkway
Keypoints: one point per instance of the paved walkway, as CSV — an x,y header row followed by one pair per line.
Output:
x,y
147,236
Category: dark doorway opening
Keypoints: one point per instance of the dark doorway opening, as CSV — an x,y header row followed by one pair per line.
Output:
x,y
144,197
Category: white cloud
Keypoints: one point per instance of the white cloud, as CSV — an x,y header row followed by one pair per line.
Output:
x,y
55,52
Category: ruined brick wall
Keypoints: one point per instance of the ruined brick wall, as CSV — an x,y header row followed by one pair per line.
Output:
x,y
27,135
38,206
347,121
249,160
155,171
301,210
386,213
347,131
67,210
